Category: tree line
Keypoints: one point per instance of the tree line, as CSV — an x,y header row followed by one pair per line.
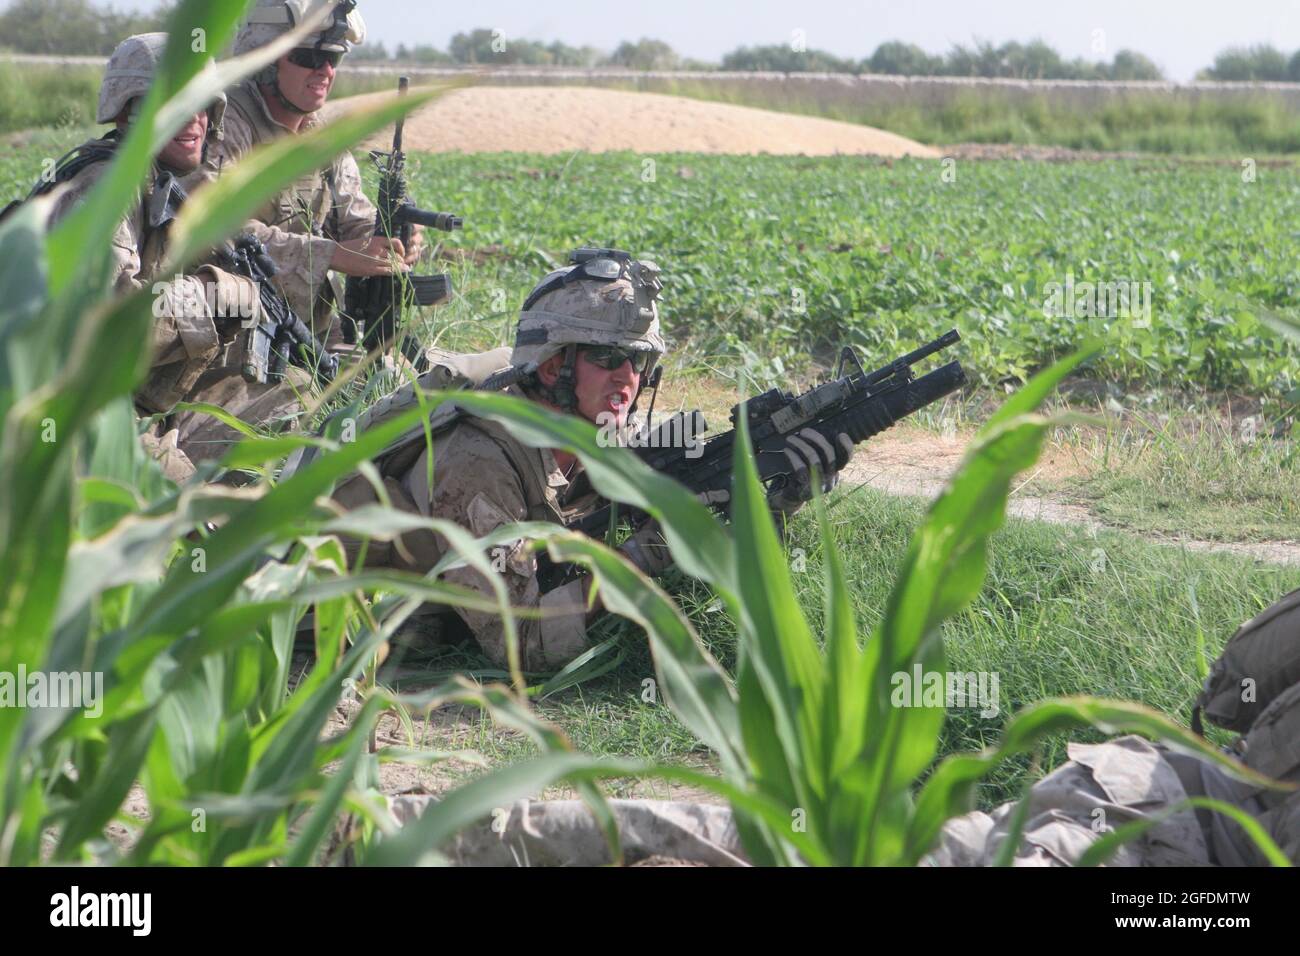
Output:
x,y
71,27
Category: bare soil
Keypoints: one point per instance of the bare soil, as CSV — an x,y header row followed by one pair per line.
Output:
x,y
558,119
912,461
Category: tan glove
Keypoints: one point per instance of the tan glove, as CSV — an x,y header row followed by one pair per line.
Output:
x,y
236,300
807,451
648,550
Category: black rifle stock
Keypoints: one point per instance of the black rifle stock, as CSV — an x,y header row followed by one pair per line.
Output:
x,y
374,304
280,337
859,404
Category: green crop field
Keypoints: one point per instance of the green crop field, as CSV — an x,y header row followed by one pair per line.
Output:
x,y
782,259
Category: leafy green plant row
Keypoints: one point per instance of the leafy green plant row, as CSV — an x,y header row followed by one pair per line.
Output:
x,y
775,261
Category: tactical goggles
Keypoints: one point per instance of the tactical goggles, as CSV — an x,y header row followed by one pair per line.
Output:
x,y
611,357
606,265
315,59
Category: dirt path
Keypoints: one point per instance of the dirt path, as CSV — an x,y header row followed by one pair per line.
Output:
x,y
915,462
558,119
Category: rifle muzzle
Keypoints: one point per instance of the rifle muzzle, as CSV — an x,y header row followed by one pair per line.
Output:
x,y
443,221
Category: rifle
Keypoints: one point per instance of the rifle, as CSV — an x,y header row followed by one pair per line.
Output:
x,y
860,404
375,303
280,337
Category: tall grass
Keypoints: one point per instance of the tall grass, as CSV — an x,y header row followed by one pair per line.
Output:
x,y
49,96
37,95
107,570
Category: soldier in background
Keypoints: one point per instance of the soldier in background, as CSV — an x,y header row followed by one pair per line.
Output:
x,y
200,314
323,223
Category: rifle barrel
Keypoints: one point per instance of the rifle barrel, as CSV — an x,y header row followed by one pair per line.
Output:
x,y
911,358
403,83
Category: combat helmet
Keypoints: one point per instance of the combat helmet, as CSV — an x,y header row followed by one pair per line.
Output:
x,y
130,72
605,297
271,19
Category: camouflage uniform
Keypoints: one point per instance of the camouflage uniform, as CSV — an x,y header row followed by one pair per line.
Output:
x,y
484,478
187,343
1253,688
303,225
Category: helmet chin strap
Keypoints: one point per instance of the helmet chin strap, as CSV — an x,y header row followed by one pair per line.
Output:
x,y
562,394
273,73
565,390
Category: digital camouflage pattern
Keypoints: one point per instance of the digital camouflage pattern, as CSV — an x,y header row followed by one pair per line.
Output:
x,y
1103,786
621,312
129,74
197,314
566,833
303,225
482,479
271,19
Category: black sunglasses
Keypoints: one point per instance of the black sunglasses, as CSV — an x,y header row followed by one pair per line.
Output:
x,y
315,59
610,357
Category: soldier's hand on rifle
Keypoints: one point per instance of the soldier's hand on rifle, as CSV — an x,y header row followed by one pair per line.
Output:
x,y
648,550
416,246
808,451
235,300
371,256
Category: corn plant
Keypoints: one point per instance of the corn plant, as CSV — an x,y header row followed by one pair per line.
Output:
x,y
109,571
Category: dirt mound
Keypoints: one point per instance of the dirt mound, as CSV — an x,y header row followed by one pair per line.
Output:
x,y
535,119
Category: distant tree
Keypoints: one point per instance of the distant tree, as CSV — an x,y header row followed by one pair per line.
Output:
x,y
1237,64
1293,68
1033,61
781,58
1131,65
561,54
984,59
72,26
481,46
369,52
902,59
424,53
644,54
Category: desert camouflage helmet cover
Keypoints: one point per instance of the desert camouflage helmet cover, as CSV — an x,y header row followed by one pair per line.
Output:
x,y
130,72
601,300
271,19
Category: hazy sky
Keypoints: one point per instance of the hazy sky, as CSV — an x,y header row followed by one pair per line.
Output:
x,y
1181,36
